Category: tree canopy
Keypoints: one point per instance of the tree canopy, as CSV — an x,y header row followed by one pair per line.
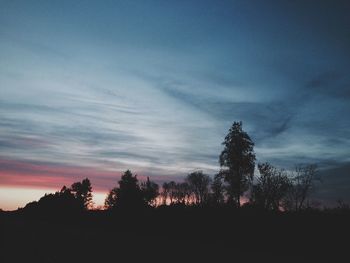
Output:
x,y
271,188
237,161
130,194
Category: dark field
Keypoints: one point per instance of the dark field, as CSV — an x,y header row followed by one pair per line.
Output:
x,y
180,235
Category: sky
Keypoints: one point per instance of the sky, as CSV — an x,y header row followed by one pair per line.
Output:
x,y
92,88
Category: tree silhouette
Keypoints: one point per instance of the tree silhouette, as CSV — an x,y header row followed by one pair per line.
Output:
x,y
271,188
187,192
111,199
237,161
172,192
182,193
199,185
67,200
60,202
127,195
83,192
150,191
303,179
165,193
217,190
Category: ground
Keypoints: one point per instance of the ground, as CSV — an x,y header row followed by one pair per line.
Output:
x,y
174,235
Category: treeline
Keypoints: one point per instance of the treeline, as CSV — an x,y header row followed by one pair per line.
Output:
x,y
236,184
76,198
273,189
270,189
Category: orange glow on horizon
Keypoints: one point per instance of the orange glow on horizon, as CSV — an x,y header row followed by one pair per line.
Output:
x,y
12,197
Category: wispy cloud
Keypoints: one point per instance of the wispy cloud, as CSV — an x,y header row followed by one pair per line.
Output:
x,y
54,175
155,88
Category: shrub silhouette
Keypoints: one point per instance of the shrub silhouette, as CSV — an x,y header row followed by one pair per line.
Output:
x,y
63,201
67,200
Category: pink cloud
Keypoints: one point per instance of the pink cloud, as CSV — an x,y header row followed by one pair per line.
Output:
x,y
26,173
51,175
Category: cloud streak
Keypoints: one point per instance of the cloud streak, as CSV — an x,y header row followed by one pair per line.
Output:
x,y
155,87
19,173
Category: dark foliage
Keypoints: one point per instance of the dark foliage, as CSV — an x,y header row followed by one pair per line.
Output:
x,y
302,183
237,161
271,188
150,192
127,195
83,192
198,186
68,200
130,195
217,196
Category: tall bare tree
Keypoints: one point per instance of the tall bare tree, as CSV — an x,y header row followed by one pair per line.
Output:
x,y
303,179
172,187
217,190
199,184
165,193
271,188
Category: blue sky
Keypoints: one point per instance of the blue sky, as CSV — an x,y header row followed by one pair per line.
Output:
x,y
155,85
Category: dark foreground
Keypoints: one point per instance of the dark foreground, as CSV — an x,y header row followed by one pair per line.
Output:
x,y
174,235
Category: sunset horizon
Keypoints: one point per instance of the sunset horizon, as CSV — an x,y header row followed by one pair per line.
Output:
x,y
90,89
174,131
